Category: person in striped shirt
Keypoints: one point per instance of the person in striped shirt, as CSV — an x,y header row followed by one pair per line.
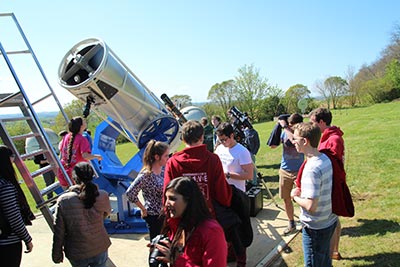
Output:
x,y
313,195
13,230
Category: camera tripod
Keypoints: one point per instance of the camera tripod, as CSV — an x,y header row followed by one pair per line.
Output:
x,y
259,175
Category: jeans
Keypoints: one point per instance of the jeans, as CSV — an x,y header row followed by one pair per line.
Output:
x,y
316,246
99,260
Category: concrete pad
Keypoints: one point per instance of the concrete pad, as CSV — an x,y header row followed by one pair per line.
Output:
x,y
130,249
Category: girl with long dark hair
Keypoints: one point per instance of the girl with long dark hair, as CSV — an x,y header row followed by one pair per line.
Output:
x,y
196,239
150,181
79,230
74,148
15,213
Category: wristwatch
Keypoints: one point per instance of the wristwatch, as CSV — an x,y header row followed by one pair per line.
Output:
x,y
228,175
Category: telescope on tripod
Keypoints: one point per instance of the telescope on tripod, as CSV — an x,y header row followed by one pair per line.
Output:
x,y
93,73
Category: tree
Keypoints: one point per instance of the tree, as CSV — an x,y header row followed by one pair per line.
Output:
x,y
332,89
223,95
353,93
75,109
181,101
293,95
251,90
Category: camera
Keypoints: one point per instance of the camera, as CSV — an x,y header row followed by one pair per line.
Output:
x,y
89,101
239,124
155,252
241,117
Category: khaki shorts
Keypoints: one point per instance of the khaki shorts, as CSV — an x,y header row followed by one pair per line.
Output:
x,y
286,182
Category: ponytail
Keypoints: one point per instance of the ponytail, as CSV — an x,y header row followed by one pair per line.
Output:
x,y
83,175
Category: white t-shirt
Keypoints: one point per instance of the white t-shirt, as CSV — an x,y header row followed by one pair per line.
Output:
x,y
232,159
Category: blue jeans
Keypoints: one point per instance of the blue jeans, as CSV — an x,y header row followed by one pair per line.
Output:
x,y
316,246
96,261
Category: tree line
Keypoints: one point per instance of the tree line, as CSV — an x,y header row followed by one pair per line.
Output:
x,y
373,83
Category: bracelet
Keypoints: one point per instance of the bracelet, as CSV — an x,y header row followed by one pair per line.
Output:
x,y
228,175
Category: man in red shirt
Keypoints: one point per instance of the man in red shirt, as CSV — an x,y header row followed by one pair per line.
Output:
x,y
331,140
196,162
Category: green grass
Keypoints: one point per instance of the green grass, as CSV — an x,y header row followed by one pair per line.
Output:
x,y
371,237
372,162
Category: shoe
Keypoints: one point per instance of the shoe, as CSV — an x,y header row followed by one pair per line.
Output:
x,y
289,230
336,256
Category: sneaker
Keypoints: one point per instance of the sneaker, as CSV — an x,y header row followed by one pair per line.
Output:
x,y
289,230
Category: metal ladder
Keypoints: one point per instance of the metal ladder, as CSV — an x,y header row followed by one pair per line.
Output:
x,y
20,99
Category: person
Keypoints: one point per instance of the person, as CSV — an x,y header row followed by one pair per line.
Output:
x,y
61,134
196,239
12,217
290,165
238,167
79,230
49,177
150,181
252,141
204,167
314,197
74,148
236,159
208,134
215,121
332,140
88,135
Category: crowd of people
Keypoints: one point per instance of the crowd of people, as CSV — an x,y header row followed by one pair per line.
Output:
x,y
195,199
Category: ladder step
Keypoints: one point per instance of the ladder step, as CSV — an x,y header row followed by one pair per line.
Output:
x,y
24,136
16,52
41,99
41,171
49,189
24,118
11,99
45,202
32,154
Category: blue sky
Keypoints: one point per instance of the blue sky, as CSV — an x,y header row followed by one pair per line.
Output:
x,y
185,47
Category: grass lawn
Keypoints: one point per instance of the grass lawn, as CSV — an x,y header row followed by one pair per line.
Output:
x,y
372,237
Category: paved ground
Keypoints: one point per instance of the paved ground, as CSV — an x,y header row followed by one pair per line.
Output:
x,y
130,249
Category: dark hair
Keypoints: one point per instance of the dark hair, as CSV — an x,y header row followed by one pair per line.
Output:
x,y
83,176
204,121
74,126
225,129
295,118
7,173
216,117
153,148
323,114
192,131
310,131
195,213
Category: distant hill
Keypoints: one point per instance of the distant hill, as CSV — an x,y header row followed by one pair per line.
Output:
x,y
42,115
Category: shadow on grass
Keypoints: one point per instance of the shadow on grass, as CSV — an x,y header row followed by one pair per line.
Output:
x,y
372,227
272,166
381,259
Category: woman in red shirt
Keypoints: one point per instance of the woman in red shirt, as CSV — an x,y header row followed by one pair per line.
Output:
x,y
74,148
196,239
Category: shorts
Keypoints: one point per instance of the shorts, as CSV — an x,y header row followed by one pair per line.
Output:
x,y
286,182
